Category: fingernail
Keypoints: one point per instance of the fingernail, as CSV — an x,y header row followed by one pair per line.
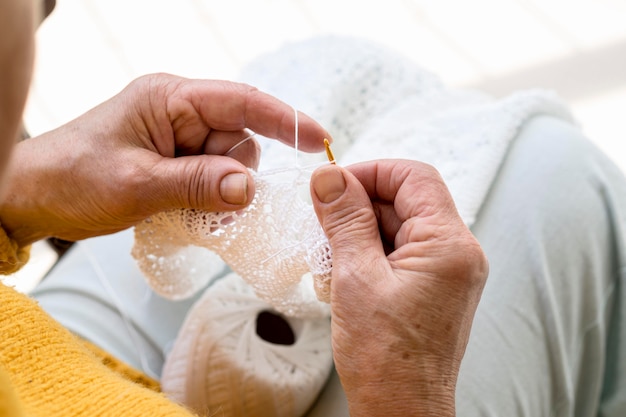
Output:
x,y
329,184
234,188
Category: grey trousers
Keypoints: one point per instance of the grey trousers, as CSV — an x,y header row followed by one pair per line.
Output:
x,y
549,336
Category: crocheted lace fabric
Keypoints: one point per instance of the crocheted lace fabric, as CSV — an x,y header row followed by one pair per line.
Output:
x,y
376,104
276,243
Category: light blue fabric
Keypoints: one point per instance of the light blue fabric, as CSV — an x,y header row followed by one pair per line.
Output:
x,y
549,337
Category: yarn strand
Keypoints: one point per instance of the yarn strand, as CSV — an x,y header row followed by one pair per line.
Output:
x,y
296,143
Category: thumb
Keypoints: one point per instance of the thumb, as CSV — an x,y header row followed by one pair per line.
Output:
x,y
345,212
207,182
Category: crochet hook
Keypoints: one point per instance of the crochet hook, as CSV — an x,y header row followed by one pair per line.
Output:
x,y
329,153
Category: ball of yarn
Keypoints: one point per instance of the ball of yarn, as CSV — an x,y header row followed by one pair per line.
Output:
x,y
236,356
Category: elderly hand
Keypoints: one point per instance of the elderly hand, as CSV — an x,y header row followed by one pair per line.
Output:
x,y
157,145
407,277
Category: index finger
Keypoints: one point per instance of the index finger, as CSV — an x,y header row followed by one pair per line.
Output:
x,y
228,105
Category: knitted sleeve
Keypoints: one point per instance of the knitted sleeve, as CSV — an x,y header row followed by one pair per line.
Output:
x,y
53,372
12,257
9,402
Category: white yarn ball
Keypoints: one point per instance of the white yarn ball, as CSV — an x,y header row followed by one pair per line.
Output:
x,y
220,365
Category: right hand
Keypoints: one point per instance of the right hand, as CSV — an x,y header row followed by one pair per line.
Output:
x,y
161,143
406,281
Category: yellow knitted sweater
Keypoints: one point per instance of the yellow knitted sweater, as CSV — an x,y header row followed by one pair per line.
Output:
x,y
12,257
46,371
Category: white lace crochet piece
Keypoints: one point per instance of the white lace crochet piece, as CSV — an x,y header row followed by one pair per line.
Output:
x,y
376,105
276,243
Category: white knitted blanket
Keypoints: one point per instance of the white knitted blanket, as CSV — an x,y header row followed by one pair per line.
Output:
x,y
376,105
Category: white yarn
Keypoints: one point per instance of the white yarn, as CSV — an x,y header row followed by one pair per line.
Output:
x,y
376,105
220,366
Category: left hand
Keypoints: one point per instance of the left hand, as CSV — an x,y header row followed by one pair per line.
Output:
x,y
157,145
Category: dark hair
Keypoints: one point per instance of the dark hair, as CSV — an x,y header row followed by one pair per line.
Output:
x,y
48,7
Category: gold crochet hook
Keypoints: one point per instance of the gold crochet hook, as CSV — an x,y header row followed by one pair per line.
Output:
x,y
329,152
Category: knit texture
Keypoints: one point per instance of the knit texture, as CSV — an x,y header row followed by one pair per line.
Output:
x,y
12,257
54,374
376,105
10,405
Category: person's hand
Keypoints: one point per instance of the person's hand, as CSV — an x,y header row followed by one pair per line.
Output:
x,y
407,277
159,144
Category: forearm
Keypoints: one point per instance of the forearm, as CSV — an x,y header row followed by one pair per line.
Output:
x,y
36,181
403,388
20,201
372,404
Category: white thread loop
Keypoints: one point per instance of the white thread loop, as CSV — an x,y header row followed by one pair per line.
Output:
x,y
296,143
250,136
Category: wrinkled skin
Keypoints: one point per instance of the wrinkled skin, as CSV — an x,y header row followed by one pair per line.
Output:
x,y
407,278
